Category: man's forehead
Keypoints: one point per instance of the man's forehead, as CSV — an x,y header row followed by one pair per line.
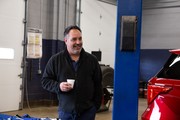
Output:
x,y
74,31
75,34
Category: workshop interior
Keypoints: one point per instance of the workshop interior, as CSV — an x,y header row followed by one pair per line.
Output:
x,y
132,40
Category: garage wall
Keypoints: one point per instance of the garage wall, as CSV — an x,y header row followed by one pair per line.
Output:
x,y
52,16
160,32
160,25
98,23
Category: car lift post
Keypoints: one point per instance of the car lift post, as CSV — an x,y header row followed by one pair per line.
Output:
x,y
127,60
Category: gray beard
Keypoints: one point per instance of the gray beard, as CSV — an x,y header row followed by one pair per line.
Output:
x,y
77,52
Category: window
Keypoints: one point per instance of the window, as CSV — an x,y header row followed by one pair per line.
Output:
x,y
174,69
6,53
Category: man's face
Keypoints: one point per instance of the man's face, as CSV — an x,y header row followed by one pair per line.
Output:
x,y
74,42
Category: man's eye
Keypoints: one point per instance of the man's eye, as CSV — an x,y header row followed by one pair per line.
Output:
x,y
80,38
74,39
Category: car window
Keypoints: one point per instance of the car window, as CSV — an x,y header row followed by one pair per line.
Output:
x,y
177,59
173,71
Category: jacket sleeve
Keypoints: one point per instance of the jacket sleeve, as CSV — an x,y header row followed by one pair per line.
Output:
x,y
98,86
49,81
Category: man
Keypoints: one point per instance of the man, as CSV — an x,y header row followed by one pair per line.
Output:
x,y
81,101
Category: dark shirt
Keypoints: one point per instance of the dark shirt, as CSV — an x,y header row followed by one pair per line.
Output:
x,y
75,65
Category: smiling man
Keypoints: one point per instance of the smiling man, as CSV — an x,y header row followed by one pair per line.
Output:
x,y
81,101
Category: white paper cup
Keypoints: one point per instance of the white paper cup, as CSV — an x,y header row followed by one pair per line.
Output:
x,y
71,81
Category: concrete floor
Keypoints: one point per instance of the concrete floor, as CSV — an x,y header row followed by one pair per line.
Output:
x,y
51,112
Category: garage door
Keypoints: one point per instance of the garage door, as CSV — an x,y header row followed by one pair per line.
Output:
x,y
11,51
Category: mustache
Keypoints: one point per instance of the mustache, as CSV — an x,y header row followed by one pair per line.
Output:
x,y
77,45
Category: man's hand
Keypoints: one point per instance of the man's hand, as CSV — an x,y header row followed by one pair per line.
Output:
x,y
65,87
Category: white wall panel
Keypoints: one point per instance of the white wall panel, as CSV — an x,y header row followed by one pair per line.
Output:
x,y
98,24
160,25
11,36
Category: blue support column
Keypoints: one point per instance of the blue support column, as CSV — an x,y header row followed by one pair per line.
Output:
x,y
125,103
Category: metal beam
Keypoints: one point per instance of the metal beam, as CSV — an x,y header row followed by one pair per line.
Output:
x,y
126,78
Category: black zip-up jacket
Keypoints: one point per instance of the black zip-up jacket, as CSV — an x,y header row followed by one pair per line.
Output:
x,y
87,91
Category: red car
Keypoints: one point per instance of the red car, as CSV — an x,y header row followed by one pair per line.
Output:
x,y
163,91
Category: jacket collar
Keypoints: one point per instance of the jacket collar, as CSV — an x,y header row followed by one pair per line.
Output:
x,y
82,54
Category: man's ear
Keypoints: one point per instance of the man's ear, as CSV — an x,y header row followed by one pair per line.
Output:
x,y
65,40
